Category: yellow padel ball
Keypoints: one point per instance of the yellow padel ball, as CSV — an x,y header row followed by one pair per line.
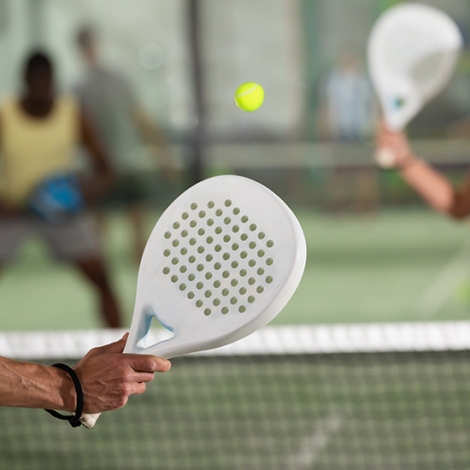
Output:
x,y
249,96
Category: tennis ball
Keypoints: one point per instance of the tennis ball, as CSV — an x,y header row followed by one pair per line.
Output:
x,y
249,96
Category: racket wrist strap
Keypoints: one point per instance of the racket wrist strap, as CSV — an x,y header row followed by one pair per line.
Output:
x,y
74,419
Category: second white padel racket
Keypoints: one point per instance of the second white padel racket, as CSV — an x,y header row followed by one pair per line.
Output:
x,y
412,53
223,260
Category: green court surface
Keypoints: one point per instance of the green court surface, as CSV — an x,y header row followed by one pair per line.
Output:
x,y
397,266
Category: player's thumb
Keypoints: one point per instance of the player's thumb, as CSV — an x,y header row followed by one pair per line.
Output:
x,y
112,348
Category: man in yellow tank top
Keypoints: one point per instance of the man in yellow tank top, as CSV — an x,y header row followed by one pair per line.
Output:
x,y
38,133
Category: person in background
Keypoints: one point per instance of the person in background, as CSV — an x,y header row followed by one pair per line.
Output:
x,y
39,130
107,379
112,106
347,117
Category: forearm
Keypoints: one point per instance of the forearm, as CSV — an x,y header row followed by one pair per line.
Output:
x,y
434,188
30,385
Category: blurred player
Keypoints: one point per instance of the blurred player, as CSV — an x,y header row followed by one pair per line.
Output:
x,y
430,184
109,101
347,117
39,130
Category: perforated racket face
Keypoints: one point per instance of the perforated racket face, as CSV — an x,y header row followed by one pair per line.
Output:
x,y
412,53
222,261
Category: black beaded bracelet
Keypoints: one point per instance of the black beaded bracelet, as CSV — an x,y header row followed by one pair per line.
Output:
x,y
74,420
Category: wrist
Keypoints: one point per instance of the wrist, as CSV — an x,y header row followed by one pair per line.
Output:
x,y
67,397
408,162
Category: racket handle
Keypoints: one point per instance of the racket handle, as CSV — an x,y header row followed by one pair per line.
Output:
x,y
89,420
385,158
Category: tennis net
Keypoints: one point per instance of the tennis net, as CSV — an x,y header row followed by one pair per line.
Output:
x,y
392,396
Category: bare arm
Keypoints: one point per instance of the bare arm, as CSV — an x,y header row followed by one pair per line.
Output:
x,y
107,377
103,173
431,185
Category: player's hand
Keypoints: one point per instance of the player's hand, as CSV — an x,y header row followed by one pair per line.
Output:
x,y
108,377
393,149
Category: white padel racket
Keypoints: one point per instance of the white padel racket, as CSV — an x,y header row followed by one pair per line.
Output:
x,y
222,261
412,53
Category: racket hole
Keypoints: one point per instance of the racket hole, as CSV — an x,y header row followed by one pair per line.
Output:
x,y
167,235
244,219
219,212
216,284
227,220
193,206
209,257
166,270
207,312
260,289
210,204
226,238
252,263
234,264
235,246
167,253
193,223
243,254
175,243
233,300
174,278
235,229
208,276
253,227
202,214
192,241
184,233
216,302
228,203
201,250
199,285
242,291
190,295
176,225
185,216
236,211
251,299
251,281
243,273
199,303
269,243
225,274
234,282
201,232
175,261
269,261
217,248
200,267
242,309
225,292
209,240
191,277
217,266
182,287
260,271
192,259
226,256
261,235
244,237
261,253
252,245
210,222
269,279
184,251
225,310
208,294
183,269
218,230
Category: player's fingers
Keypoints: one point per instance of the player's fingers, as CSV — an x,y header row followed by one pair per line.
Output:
x,y
138,389
139,377
147,363
116,347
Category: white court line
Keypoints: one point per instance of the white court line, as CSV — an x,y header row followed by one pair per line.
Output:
x,y
437,294
318,440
